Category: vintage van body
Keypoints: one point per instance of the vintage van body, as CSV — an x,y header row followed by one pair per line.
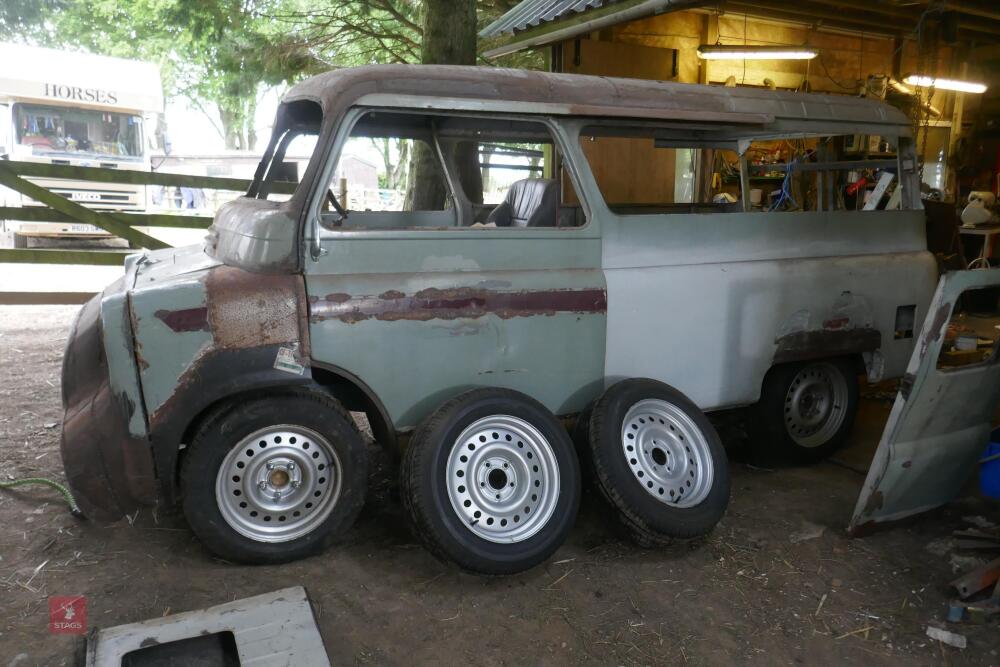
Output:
x,y
400,313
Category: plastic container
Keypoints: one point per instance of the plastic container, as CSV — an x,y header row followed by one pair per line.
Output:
x,y
989,472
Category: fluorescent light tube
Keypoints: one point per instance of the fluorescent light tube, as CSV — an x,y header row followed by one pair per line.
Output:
x,y
945,84
718,52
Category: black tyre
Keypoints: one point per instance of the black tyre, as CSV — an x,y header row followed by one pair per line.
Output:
x,y
658,462
491,482
805,412
20,241
274,478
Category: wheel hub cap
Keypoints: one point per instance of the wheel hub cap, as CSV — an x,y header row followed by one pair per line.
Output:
x,y
503,479
667,453
815,404
278,483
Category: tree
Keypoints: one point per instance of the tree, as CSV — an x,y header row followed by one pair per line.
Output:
x,y
23,17
449,37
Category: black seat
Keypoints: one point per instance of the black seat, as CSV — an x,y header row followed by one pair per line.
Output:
x,y
531,202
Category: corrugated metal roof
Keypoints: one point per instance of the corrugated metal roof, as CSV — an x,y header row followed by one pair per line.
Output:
x,y
531,13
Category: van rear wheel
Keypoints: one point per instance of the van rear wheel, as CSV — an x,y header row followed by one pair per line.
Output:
x,y
491,482
806,410
274,479
658,462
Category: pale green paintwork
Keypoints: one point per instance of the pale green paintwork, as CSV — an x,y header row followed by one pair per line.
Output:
x,y
117,333
414,366
168,280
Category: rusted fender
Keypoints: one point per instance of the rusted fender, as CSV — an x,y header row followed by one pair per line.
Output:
x,y
109,470
204,336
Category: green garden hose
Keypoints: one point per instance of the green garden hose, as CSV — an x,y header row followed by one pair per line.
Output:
x,y
73,507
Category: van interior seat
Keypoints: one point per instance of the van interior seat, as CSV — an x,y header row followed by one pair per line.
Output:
x,y
530,202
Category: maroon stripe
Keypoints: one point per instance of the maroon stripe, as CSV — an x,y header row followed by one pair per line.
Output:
x,y
188,319
460,302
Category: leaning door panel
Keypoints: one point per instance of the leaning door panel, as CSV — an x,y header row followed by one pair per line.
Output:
x,y
940,422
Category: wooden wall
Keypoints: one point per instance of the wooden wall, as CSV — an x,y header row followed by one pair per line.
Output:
x,y
615,161
845,58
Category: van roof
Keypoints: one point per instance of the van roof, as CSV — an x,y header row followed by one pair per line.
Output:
x,y
583,95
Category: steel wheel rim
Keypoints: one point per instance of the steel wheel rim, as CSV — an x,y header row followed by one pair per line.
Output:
x,y
667,453
279,483
503,479
815,404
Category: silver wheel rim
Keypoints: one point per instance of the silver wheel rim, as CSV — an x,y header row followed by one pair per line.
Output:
x,y
815,404
503,479
278,484
667,453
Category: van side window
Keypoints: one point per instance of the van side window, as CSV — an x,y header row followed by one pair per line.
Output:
x,y
412,170
642,169
830,173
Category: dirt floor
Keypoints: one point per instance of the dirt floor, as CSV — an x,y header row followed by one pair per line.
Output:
x,y
777,583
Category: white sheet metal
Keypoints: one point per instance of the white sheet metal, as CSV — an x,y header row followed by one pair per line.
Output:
x,y
939,424
271,629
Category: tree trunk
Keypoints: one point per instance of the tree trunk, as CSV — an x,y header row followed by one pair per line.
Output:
x,y
449,38
237,116
230,128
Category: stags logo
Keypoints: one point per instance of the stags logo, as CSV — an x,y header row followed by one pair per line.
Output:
x,y
68,615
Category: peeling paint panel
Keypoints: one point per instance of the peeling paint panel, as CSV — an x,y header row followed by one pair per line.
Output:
x,y
417,339
179,320
167,335
939,424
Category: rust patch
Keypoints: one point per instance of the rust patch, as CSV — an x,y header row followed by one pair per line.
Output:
x,y
459,302
136,343
188,319
875,502
933,333
822,343
250,310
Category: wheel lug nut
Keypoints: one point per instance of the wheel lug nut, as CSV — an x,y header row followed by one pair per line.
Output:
x,y
291,465
270,466
261,485
277,496
295,484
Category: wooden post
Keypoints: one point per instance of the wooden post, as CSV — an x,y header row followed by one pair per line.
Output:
x,y
343,193
710,35
958,109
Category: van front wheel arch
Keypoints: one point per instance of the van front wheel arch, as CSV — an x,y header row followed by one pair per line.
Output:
x,y
806,410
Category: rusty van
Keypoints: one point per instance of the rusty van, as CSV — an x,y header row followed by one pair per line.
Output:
x,y
635,252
